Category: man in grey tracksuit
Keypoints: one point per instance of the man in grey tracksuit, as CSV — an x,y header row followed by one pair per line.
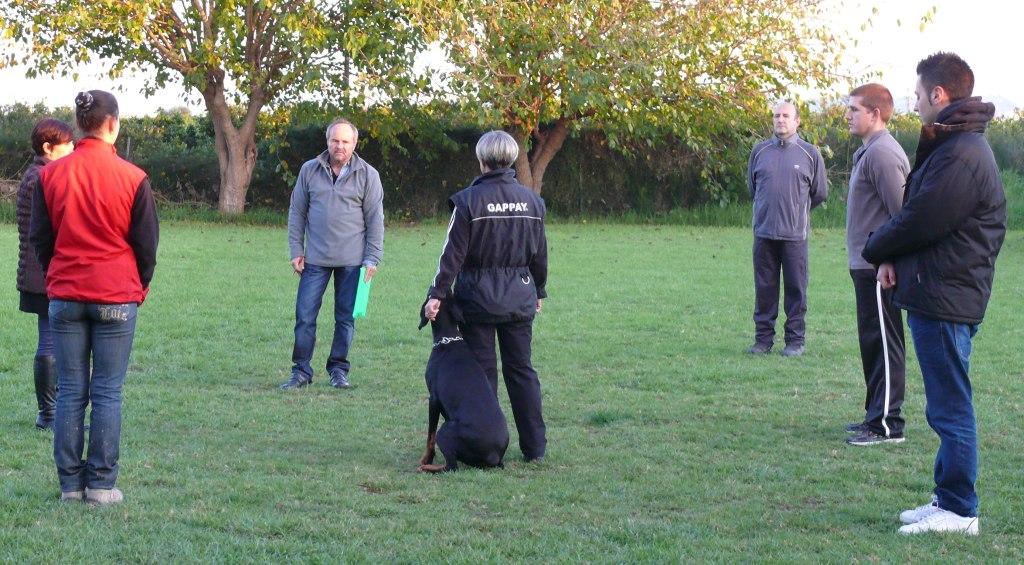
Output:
x,y
335,226
786,178
880,169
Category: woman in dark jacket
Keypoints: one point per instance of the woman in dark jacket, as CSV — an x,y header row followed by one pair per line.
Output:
x,y
95,231
51,140
496,255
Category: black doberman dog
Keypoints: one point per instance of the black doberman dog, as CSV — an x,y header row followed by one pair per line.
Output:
x,y
474,430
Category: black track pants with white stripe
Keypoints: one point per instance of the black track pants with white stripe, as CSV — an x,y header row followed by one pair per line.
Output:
x,y
882,411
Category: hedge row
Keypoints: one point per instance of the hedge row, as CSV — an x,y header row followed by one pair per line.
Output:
x,y
419,171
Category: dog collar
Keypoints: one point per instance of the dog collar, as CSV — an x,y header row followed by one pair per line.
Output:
x,y
447,340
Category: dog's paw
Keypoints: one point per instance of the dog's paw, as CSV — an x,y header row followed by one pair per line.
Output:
x,y
431,468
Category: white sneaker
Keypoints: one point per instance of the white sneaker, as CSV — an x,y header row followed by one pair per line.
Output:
x,y
943,521
103,496
72,496
921,512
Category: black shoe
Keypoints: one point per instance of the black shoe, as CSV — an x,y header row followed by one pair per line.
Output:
x,y
46,390
856,428
759,348
869,437
792,351
339,378
297,380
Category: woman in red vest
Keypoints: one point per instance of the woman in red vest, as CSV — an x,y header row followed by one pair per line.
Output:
x,y
51,140
95,231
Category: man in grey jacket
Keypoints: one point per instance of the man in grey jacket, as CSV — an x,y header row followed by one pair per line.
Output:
x,y
786,178
335,226
880,169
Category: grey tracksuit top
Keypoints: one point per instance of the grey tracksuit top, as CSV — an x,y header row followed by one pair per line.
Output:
x,y
880,170
342,220
786,178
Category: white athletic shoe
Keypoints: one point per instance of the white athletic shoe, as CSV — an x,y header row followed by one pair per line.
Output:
x,y
943,521
103,496
921,512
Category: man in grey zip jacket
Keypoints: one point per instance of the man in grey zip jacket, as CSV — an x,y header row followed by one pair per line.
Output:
x,y
786,178
880,169
335,226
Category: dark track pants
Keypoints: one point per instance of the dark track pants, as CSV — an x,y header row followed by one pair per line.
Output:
x,y
771,255
521,380
884,393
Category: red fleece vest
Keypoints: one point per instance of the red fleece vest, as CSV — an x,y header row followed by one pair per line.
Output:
x,y
90,194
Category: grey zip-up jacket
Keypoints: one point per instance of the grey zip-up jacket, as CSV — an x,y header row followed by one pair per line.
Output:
x,y
341,221
880,169
786,178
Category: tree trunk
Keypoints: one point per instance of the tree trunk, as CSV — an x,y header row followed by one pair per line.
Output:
x,y
547,142
523,173
235,147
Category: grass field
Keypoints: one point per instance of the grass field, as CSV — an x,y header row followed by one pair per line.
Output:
x,y
666,442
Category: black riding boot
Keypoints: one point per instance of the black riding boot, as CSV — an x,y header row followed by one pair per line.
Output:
x,y
46,390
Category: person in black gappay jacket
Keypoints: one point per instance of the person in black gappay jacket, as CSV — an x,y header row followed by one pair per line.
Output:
x,y
939,252
495,253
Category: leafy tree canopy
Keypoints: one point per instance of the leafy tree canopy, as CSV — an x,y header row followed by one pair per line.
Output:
x,y
702,70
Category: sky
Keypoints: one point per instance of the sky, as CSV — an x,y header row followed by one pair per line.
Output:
x,y
980,31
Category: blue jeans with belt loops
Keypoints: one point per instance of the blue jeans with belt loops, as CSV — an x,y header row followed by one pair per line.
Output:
x,y
944,353
102,333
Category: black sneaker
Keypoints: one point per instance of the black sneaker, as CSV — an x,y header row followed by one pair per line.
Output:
x,y
856,428
297,380
759,348
339,378
869,437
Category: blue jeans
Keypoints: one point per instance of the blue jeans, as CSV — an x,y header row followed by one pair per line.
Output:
x,y
104,333
45,344
944,353
312,285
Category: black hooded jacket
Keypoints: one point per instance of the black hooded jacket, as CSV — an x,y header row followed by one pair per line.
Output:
x,y
495,252
945,239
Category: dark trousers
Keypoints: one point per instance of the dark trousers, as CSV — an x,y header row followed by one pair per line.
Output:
x,y
884,385
521,380
771,255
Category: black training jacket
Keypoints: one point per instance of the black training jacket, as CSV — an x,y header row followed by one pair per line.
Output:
x,y
945,239
495,251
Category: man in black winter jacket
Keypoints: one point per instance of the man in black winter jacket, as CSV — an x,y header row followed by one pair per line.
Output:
x,y
939,252
496,254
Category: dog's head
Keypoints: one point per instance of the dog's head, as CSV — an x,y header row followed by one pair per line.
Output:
x,y
446,324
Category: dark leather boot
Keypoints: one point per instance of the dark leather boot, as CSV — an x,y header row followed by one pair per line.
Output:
x,y
46,390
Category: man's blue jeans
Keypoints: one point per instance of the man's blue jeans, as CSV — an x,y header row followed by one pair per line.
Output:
x,y
312,285
104,333
944,353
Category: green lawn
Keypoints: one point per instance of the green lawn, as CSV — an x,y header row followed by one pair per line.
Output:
x,y
666,442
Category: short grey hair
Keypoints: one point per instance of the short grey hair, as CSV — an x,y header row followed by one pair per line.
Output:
x,y
497,150
341,121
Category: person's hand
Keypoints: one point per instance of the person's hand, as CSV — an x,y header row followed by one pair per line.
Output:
x,y
299,263
886,275
430,309
370,271
540,304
